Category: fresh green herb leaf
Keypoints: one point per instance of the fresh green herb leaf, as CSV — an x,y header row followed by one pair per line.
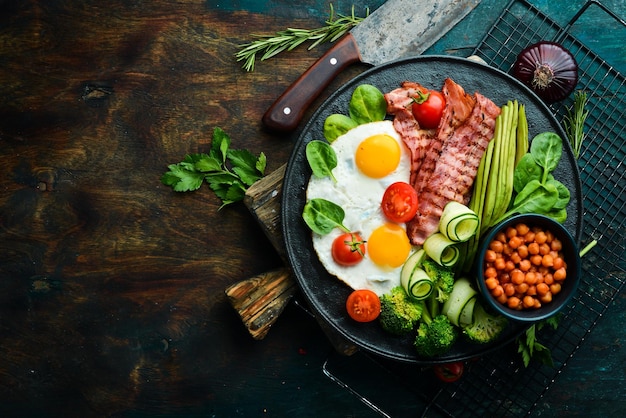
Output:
x,y
564,194
575,122
336,125
228,172
244,164
367,104
525,171
289,39
535,197
322,159
531,349
206,163
546,149
322,216
220,144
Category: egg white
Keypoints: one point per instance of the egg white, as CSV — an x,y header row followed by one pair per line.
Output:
x,y
360,197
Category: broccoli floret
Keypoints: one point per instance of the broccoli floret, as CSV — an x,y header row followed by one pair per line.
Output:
x,y
442,277
485,327
435,336
399,313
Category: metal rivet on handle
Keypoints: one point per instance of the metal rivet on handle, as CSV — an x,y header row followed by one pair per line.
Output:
x,y
333,61
287,110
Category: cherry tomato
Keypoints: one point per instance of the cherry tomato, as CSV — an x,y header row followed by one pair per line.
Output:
x,y
427,108
399,202
449,372
348,249
363,305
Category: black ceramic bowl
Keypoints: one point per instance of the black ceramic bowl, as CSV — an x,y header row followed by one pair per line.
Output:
x,y
569,252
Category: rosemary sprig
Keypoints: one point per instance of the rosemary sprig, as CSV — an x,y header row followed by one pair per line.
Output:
x,y
575,122
287,40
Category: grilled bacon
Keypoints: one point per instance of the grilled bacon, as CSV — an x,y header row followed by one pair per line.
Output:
x,y
417,140
445,161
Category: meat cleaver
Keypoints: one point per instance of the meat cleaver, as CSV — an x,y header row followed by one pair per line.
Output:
x,y
397,29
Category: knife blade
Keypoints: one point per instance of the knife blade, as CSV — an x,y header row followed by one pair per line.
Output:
x,y
397,29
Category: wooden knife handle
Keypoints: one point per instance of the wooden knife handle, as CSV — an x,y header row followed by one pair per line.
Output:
x,y
287,111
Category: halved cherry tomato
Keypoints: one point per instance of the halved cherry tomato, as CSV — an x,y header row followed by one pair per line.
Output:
x,y
348,249
399,202
449,372
428,107
363,305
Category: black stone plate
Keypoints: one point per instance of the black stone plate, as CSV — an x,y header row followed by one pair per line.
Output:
x,y
325,294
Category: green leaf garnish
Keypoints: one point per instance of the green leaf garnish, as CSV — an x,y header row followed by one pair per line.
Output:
x,y
229,172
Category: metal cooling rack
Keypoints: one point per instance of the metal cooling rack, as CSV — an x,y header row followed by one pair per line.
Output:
x,y
492,389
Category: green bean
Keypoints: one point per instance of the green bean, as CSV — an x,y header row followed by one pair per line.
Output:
x,y
507,160
522,135
493,178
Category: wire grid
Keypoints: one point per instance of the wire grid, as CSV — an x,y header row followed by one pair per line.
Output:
x,y
604,190
493,387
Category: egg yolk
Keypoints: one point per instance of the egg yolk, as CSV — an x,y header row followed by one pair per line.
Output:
x,y
388,245
378,155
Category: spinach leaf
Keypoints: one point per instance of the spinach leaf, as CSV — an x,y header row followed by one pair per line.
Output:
x,y
559,215
367,104
564,194
322,216
336,125
322,159
546,149
535,197
525,171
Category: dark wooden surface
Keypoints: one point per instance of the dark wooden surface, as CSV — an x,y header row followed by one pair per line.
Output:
x,y
112,286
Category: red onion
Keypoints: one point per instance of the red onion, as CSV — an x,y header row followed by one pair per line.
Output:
x,y
548,69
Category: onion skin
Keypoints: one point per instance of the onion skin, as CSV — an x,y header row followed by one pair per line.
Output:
x,y
548,69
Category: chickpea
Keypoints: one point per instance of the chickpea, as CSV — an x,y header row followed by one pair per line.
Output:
x,y
528,301
541,237
547,298
542,289
557,263
536,259
496,246
522,250
555,288
515,242
511,232
517,276
490,256
491,283
522,229
560,274
514,302
547,261
533,248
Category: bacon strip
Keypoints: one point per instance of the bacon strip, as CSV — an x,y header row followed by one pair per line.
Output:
x,y
459,105
399,103
455,169
402,97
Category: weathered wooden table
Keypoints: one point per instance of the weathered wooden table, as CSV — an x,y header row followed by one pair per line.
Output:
x,y
112,286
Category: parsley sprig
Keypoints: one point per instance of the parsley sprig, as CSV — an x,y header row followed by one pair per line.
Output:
x,y
529,346
290,38
229,172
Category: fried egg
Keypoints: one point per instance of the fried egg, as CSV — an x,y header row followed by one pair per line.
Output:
x,y
370,157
